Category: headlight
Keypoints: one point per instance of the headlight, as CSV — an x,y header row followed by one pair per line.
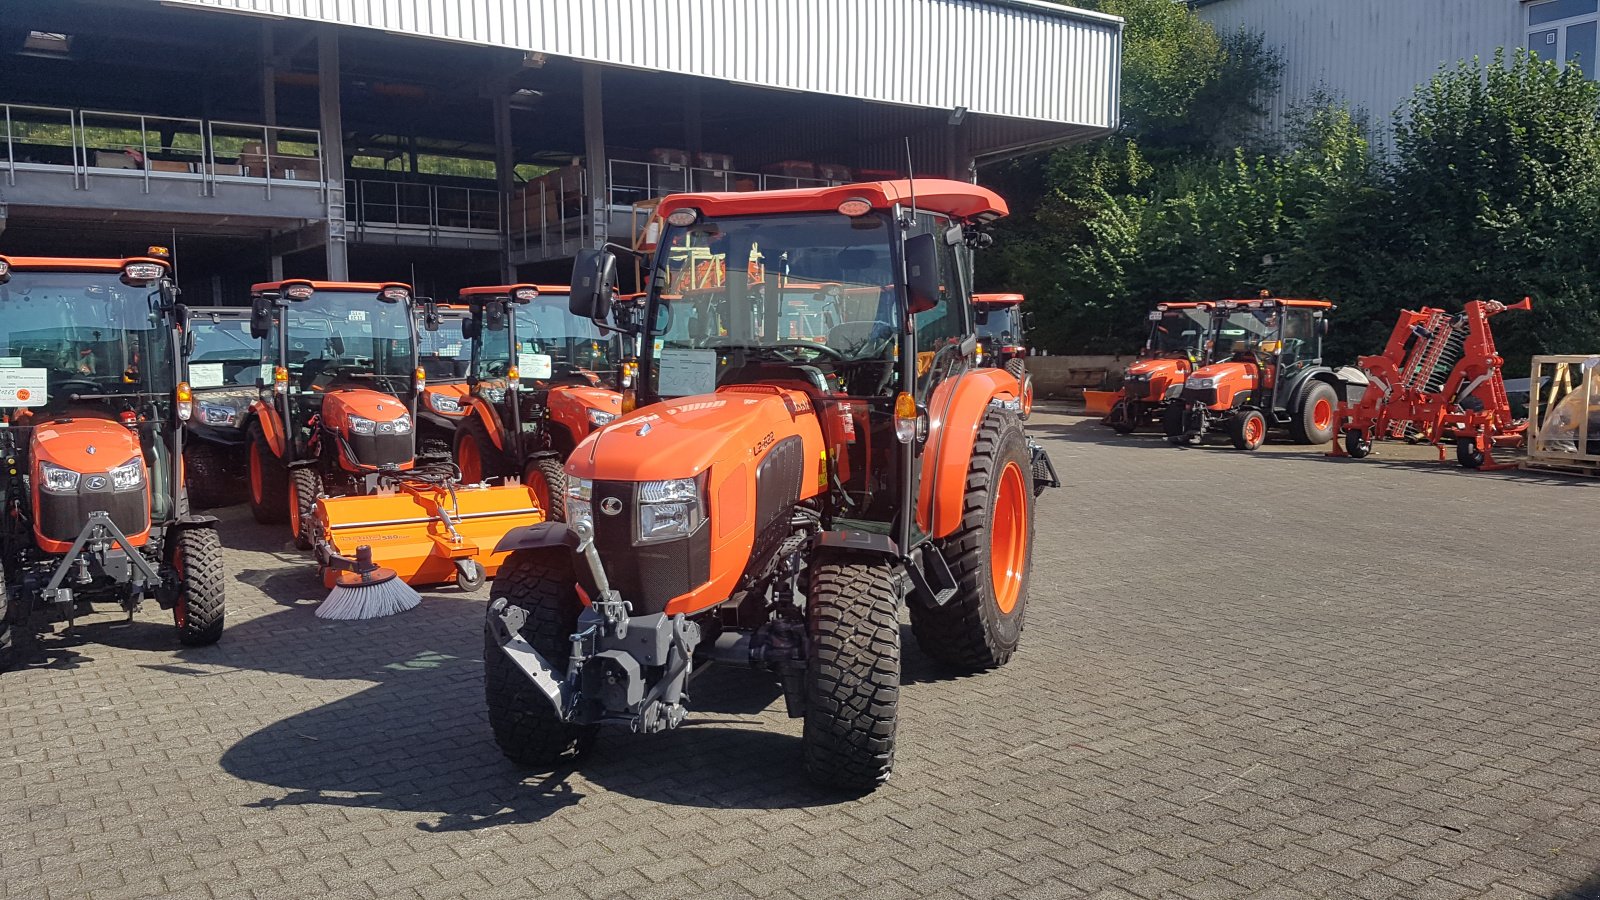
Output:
x,y
579,507
493,395
217,414
359,425
668,509
444,403
1201,384
128,475
598,418
58,479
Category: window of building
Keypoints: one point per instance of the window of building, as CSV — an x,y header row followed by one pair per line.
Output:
x,y
1566,31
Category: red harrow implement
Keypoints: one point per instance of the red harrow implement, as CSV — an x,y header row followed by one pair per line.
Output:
x,y
1439,379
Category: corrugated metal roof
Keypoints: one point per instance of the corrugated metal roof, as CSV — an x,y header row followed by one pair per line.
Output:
x,y
1023,59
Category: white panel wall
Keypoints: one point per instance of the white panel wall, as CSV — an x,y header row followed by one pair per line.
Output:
x,y
1017,58
1372,53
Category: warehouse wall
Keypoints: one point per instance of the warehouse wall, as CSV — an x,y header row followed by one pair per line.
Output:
x,y
1372,53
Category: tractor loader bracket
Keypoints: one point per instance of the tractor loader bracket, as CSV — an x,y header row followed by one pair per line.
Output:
x,y
1044,473
504,623
100,541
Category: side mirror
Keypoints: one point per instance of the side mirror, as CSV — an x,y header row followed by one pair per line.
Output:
x,y
469,328
983,317
922,273
260,317
1322,328
430,315
494,315
594,277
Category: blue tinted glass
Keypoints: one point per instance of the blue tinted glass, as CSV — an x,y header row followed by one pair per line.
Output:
x,y
1543,43
1580,47
1560,9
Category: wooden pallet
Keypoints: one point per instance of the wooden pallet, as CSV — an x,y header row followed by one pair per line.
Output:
x,y
1587,467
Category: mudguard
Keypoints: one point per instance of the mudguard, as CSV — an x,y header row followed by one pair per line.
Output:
x,y
540,536
270,426
955,411
857,542
490,417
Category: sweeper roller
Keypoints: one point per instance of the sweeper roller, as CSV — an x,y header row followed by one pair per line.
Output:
x,y
427,529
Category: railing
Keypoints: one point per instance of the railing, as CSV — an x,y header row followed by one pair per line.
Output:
x,y
421,207
90,143
631,183
549,216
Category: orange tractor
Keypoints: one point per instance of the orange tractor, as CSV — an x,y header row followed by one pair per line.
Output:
x,y
92,355
541,380
332,443
1263,371
1438,379
774,500
1178,333
1001,341
224,364
445,358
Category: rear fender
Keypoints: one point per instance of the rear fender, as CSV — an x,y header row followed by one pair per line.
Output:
x,y
955,411
271,426
1306,379
486,413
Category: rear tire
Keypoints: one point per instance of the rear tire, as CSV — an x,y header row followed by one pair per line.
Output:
x,y
304,486
202,602
990,554
1356,444
1248,430
548,478
526,727
1468,454
852,682
1316,420
476,454
268,479
207,478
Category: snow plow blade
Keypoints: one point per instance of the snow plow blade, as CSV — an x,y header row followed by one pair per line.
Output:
x,y
426,534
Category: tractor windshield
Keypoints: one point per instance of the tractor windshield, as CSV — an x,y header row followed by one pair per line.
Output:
x,y
334,334
443,354
1243,331
806,296
1177,331
1000,324
80,333
224,352
551,342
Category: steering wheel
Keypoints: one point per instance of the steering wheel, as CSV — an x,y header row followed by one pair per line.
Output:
x,y
69,386
822,349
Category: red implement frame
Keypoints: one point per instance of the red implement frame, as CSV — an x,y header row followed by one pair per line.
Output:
x,y
1412,395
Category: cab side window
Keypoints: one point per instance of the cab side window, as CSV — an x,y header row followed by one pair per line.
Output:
x,y
946,321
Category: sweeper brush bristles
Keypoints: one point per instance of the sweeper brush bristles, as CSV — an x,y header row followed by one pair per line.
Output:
x,y
368,600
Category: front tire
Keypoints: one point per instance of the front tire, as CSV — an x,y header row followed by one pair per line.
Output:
x,y
305,484
1316,420
548,479
1175,422
526,726
16,631
269,480
477,456
202,602
990,554
206,475
852,683
1248,430
1123,419
1019,371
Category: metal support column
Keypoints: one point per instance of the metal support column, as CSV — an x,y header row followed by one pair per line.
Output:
x,y
505,162
693,132
269,76
333,152
594,149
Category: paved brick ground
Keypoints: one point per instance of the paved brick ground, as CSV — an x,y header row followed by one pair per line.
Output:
x,y
1273,675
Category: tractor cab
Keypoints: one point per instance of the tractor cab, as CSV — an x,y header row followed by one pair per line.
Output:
x,y
93,403
813,444
224,366
1263,369
1000,323
445,358
1174,345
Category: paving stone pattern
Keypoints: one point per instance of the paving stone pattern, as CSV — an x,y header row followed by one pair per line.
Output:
x,y
1271,675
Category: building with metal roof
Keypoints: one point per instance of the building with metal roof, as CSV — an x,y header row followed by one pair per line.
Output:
x,y
475,138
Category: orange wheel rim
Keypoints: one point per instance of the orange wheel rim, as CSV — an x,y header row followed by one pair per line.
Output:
x,y
1322,415
1254,430
470,461
1008,538
294,509
256,493
541,489
180,610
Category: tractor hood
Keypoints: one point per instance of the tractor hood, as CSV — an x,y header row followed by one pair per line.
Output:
x,y
86,444
340,405
449,399
1169,367
1234,373
682,438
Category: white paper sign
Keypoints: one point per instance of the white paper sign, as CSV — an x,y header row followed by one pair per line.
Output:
x,y
684,373
358,315
24,387
10,362
206,375
533,365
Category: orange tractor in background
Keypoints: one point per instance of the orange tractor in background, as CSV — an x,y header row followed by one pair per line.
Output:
x,y
445,358
541,380
332,442
92,390
1263,371
1001,341
1438,379
774,500
1178,332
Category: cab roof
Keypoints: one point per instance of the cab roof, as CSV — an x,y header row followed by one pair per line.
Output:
x,y
956,199
1183,304
500,290
76,263
997,299
1278,301
373,286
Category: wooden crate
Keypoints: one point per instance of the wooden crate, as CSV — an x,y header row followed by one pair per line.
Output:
x,y
1564,415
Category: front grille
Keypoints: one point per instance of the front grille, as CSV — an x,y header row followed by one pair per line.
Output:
x,y
62,516
1136,388
1204,396
382,449
648,575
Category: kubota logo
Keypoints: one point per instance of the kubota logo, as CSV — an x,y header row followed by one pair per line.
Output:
x,y
95,483
611,506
